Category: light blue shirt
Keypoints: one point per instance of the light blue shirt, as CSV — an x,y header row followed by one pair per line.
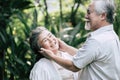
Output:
x,y
99,58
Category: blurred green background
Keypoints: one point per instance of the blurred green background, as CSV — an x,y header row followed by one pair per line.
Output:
x,y
64,18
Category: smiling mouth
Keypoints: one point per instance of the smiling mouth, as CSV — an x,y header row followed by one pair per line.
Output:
x,y
54,44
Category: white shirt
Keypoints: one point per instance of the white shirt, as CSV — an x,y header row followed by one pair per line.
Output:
x,y
99,58
46,69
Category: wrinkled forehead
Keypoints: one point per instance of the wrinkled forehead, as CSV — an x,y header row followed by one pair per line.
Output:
x,y
91,6
44,33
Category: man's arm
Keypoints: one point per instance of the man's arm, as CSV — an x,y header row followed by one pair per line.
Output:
x,y
68,64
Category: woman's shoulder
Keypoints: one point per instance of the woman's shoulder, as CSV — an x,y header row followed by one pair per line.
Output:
x,y
41,65
42,62
43,70
44,67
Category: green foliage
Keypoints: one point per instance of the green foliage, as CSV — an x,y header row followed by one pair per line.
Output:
x,y
11,46
117,19
19,17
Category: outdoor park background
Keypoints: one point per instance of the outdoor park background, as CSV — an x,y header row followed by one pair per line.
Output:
x,y
64,18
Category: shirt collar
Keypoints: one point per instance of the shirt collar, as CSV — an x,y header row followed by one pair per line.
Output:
x,y
102,29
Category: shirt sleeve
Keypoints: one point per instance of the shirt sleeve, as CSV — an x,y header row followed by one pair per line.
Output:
x,y
86,54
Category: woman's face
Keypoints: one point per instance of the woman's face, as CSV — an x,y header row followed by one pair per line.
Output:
x,y
48,41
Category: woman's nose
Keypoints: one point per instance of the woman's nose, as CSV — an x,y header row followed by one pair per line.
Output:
x,y
50,39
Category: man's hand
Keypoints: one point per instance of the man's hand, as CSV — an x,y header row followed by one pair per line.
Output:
x,y
62,45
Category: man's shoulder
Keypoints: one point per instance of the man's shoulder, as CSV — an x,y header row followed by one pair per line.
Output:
x,y
103,37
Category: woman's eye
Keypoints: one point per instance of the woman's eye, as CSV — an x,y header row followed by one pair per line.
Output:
x,y
50,36
44,40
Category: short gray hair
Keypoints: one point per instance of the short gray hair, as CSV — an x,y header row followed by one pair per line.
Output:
x,y
105,6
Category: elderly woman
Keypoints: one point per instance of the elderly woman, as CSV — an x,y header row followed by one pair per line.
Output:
x,y
45,69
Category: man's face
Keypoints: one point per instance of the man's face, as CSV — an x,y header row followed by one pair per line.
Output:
x,y
48,41
92,19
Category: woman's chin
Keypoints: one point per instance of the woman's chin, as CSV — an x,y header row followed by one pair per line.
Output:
x,y
55,50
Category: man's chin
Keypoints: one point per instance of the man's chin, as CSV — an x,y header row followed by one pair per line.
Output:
x,y
87,26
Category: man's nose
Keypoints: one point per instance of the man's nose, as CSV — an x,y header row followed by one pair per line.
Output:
x,y
86,16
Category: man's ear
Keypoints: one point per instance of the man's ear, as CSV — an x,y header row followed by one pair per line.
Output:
x,y
103,16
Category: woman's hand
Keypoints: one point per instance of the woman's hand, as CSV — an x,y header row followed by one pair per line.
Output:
x,y
47,53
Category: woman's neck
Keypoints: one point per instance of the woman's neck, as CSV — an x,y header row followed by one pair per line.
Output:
x,y
57,52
